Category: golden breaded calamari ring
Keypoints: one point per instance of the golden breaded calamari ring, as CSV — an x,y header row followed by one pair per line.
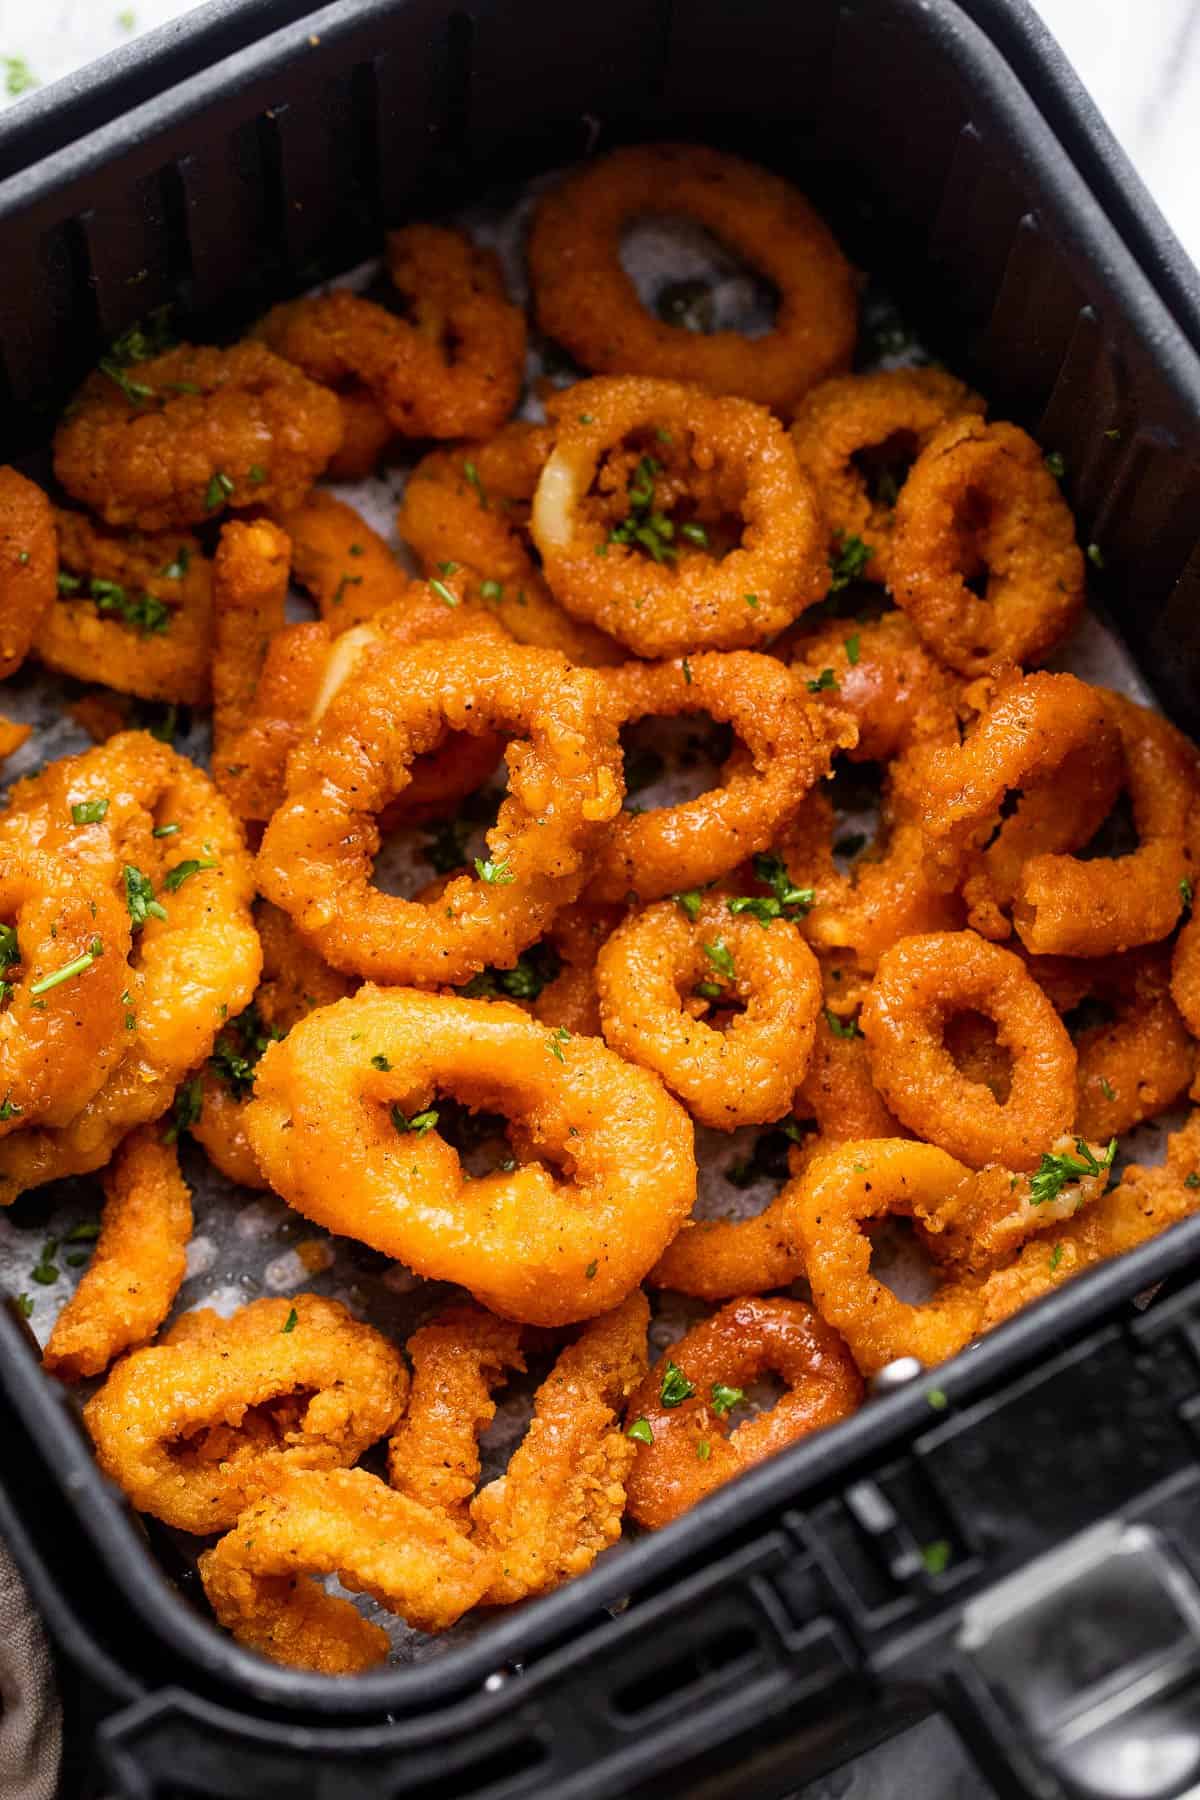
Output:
x,y
134,612
980,501
28,566
681,1411
785,746
648,975
170,849
64,967
347,1522
194,1426
452,369
343,1123
588,303
919,984
471,506
887,417
348,569
880,673
643,478
564,787
830,1202
194,431
137,1265
561,1500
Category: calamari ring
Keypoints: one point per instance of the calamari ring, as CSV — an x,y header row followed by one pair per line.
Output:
x,y
195,1425
888,892
564,787
349,1523
137,1265
534,1245
980,499
989,1217
138,616
787,747
737,1345
193,431
61,1034
647,974
838,1193
1140,1062
295,981
1020,743
454,369
723,459
720,1259
561,1500
1069,907
186,970
250,585
586,301
367,433
28,566
890,416
457,1361
884,677
922,981
470,506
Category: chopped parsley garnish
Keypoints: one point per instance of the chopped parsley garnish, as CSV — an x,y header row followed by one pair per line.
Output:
x,y
379,1061
10,950
640,1430
146,338
642,525
339,592
751,601
1107,1088
703,1449
472,475
186,1110
724,1399
720,956
24,1306
709,990
218,491
1185,890
849,562
825,681
7,1109
496,874
1193,1180
1054,1172
676,1388
842,1028
695,534
1055,1257
92,954
86,1232
446,595
785,901
937,1399
18,76
1054,462
257,474
238,1049
46,1271
174,878
853,645
145,612
418,1125
533,969
88,812
936,1557
687,672
589,1274
139,898
290,1323
689,901
554,1043
1095,556
134,391
165,830
491,591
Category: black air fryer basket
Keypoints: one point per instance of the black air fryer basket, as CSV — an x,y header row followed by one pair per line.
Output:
x,y
792,1620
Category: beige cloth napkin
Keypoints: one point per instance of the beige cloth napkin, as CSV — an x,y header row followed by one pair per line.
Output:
x,y
30,1715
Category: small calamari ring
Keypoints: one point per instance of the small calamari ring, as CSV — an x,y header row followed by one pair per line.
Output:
x,y
785,747
628,453
332,1126
885,418
838,1194
648,975
920,983
262,1579
680,1414
880,673
64,969
980,500
470,506
137,1265
587,302
1067,906
28,566
194,1426
194,431
564,787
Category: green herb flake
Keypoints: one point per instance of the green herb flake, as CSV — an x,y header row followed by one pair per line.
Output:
x,y
689,901
703,1449
139,898
472,475
290,1323
446,595
496,874
1185,890
695,534
24,1306
825,682
724,1399
936,1557
219,488
720,956
1107,1089
676,1388
1055,1257
1193,1180
491,592
589,1274
418,1125
640,1431
1054,1172
46,1271
174,878
841,1028
1095,556
88,812
161,831
936,1398
687,672
853,647
347,581
1055,464
18,76
379,1061
850,559
186,1109
556,1040
92,954
8,1110
86,1232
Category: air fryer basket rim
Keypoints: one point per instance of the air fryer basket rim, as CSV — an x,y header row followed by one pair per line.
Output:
x,y
788,1479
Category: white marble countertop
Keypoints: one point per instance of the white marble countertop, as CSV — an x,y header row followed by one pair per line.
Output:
x,y
1140,58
